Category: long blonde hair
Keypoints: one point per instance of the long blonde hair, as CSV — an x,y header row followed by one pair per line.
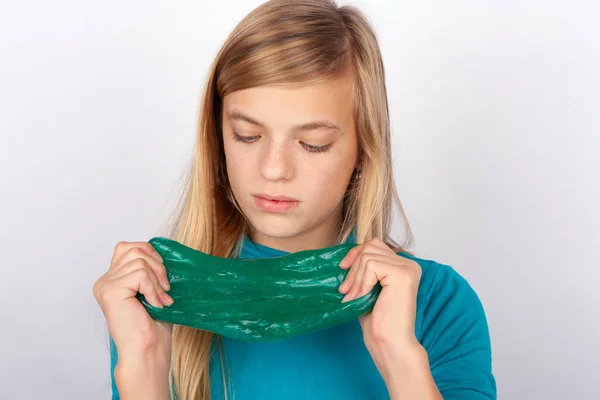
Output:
x,y
282,42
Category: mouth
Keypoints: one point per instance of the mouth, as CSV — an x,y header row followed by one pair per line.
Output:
x,y
275,198
276,204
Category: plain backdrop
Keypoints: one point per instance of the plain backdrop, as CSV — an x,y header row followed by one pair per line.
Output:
x,y
495,109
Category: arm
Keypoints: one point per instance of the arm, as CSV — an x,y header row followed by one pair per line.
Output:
x,y
141,368
456,337
113,363
139,379
447,351
408,375
389,330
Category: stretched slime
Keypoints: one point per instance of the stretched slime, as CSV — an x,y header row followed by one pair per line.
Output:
x,y
261,299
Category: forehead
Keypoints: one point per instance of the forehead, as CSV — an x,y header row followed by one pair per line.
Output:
x,y
294,103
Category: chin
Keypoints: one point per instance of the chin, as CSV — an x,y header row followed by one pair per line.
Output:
x,y
275,226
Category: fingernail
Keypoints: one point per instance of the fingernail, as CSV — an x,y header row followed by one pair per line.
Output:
x,y
165,284
168,300
343,285
345,299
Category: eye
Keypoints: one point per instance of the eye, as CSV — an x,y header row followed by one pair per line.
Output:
x,y
317,149
308,147
243,139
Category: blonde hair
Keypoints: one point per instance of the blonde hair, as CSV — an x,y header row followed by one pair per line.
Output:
x,y
282,42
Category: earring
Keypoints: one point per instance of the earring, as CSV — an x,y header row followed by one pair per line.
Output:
x,y
357,173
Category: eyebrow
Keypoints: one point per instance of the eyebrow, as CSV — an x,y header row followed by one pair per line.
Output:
x,y
236,115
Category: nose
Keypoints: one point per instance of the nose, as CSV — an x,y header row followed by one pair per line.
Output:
x,y
278,162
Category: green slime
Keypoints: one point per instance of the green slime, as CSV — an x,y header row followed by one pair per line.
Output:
x,y
260,299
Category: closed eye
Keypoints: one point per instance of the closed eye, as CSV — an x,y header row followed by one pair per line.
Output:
x,y
308,147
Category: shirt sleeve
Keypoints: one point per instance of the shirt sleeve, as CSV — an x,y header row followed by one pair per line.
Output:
x,y
113,363
455,334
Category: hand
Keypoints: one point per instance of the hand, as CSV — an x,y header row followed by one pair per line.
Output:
x,y
135,267
389,329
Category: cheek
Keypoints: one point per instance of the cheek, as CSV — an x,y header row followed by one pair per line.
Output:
x,y
329,184
330,176
238,163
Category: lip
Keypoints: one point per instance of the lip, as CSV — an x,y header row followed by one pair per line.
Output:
x,y
277,198
272,204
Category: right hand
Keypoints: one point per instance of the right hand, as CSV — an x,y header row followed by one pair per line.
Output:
x,y
135,267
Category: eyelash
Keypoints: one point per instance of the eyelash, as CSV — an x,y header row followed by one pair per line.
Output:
x,y
309,148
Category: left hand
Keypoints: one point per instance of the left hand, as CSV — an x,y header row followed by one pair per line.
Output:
x,y
389,329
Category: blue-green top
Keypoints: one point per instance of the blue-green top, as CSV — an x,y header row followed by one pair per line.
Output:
x,y
335,364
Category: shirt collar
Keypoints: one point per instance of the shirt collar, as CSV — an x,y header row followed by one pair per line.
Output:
x,y
256,250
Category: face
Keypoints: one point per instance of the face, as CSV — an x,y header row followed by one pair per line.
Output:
x,y
298,142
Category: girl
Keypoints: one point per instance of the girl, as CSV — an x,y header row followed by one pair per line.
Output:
x,y
293,153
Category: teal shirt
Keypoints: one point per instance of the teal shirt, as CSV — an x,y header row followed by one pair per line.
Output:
x,y
335,364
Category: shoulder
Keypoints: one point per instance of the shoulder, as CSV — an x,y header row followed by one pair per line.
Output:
x,y
438,279
445,295
452,327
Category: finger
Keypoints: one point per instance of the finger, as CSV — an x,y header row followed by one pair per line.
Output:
x,y
350,257
368,279
371,267
358,266
140,281
367,260
122,248
374,245
348,282
157,266
160,272
377,246
127,286
379,243
141,263
357,279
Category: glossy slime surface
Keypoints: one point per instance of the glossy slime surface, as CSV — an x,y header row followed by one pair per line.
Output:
x,y
262,299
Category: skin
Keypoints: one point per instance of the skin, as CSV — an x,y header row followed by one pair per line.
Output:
x,y
144,345
277,161
389,330
275,158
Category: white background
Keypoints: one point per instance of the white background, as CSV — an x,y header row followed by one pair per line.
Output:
x,y
495,108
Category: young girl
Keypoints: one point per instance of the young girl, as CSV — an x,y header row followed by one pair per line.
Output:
x,y
293,153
